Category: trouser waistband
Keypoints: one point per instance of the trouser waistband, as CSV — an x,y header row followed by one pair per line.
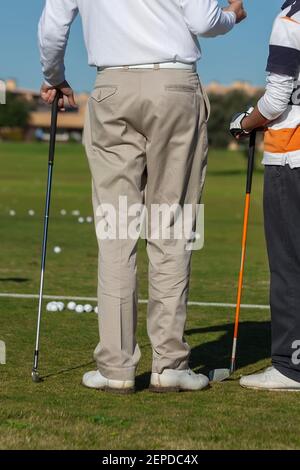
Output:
x,y
158,66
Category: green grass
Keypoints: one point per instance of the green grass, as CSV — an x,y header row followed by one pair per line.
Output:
x,y
59,413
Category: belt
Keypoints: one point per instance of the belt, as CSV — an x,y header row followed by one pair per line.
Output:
x,y
163,65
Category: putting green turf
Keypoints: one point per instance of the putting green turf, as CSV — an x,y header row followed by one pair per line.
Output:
x,y
59,413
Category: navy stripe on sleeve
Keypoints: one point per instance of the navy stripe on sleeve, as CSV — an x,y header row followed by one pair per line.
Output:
x,y
287,3
295,8
284,60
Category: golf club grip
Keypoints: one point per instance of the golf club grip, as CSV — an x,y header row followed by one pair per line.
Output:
x,y
251,156
53,127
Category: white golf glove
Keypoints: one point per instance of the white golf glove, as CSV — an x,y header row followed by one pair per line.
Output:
x,y
236,124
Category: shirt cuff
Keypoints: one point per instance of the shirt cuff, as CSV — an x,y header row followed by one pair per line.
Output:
x,y
53,83
265,110
233,16
47,83
262,108
230,20
54,76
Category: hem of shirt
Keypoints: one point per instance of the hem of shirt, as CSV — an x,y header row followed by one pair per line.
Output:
x,y
282,159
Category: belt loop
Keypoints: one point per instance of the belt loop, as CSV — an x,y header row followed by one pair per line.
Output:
x,y
156,67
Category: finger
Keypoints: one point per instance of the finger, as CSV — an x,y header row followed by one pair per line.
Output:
x,y
48,98
45,92
72,101
61,104
44,97
52,96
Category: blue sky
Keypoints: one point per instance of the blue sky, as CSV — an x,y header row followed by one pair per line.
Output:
x,y
240,55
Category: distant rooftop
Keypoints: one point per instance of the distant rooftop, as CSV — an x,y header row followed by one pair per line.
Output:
x,y
74,119
219,89
213,88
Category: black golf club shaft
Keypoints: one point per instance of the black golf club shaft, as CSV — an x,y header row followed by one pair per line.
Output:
x,y
251,160
52,143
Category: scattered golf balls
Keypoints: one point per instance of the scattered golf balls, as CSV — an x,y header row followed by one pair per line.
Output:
x,y
31,212
52,307
12,213
89,220
88,308
60,306
79,309
63,212
71,306
81,220
57,249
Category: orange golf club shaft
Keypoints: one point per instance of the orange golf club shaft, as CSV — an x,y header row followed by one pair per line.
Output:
x,y
244,245
240,282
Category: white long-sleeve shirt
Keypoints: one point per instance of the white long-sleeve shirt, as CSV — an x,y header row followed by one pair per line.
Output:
x,y
277,96
281,103
129,32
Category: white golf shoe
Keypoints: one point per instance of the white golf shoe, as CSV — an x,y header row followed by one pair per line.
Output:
x,y
177,380
94,379
271,379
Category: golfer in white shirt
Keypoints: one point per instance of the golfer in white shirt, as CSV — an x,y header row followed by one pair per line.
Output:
x,y
146,141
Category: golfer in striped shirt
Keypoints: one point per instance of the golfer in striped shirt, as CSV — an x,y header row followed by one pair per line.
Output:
x,y
278,112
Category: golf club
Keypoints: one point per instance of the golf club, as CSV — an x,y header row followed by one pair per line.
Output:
x,y
2,352
218,375
35,374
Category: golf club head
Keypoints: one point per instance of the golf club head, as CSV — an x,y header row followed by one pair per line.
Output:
x,y
219,375
36,377
2,353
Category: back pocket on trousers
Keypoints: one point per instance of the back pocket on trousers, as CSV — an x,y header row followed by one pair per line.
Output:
x,y
103,92
181,88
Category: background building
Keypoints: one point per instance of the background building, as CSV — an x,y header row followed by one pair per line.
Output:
x,y
70,123
225,100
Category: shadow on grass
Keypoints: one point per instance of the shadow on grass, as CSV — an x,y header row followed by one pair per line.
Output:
x,y
236,172
254,344
18,280
68,369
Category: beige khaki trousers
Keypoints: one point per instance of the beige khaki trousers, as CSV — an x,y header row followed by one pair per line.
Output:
x,y
146,139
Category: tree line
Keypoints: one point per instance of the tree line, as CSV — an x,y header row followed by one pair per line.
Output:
x,y
223,107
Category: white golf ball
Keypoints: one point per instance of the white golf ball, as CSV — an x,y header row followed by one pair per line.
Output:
x,y
57,249
52,307
71,306
88,308
63,212
76,213
96,310
89,220
81,220
79,309
60,306
12,213
31,212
